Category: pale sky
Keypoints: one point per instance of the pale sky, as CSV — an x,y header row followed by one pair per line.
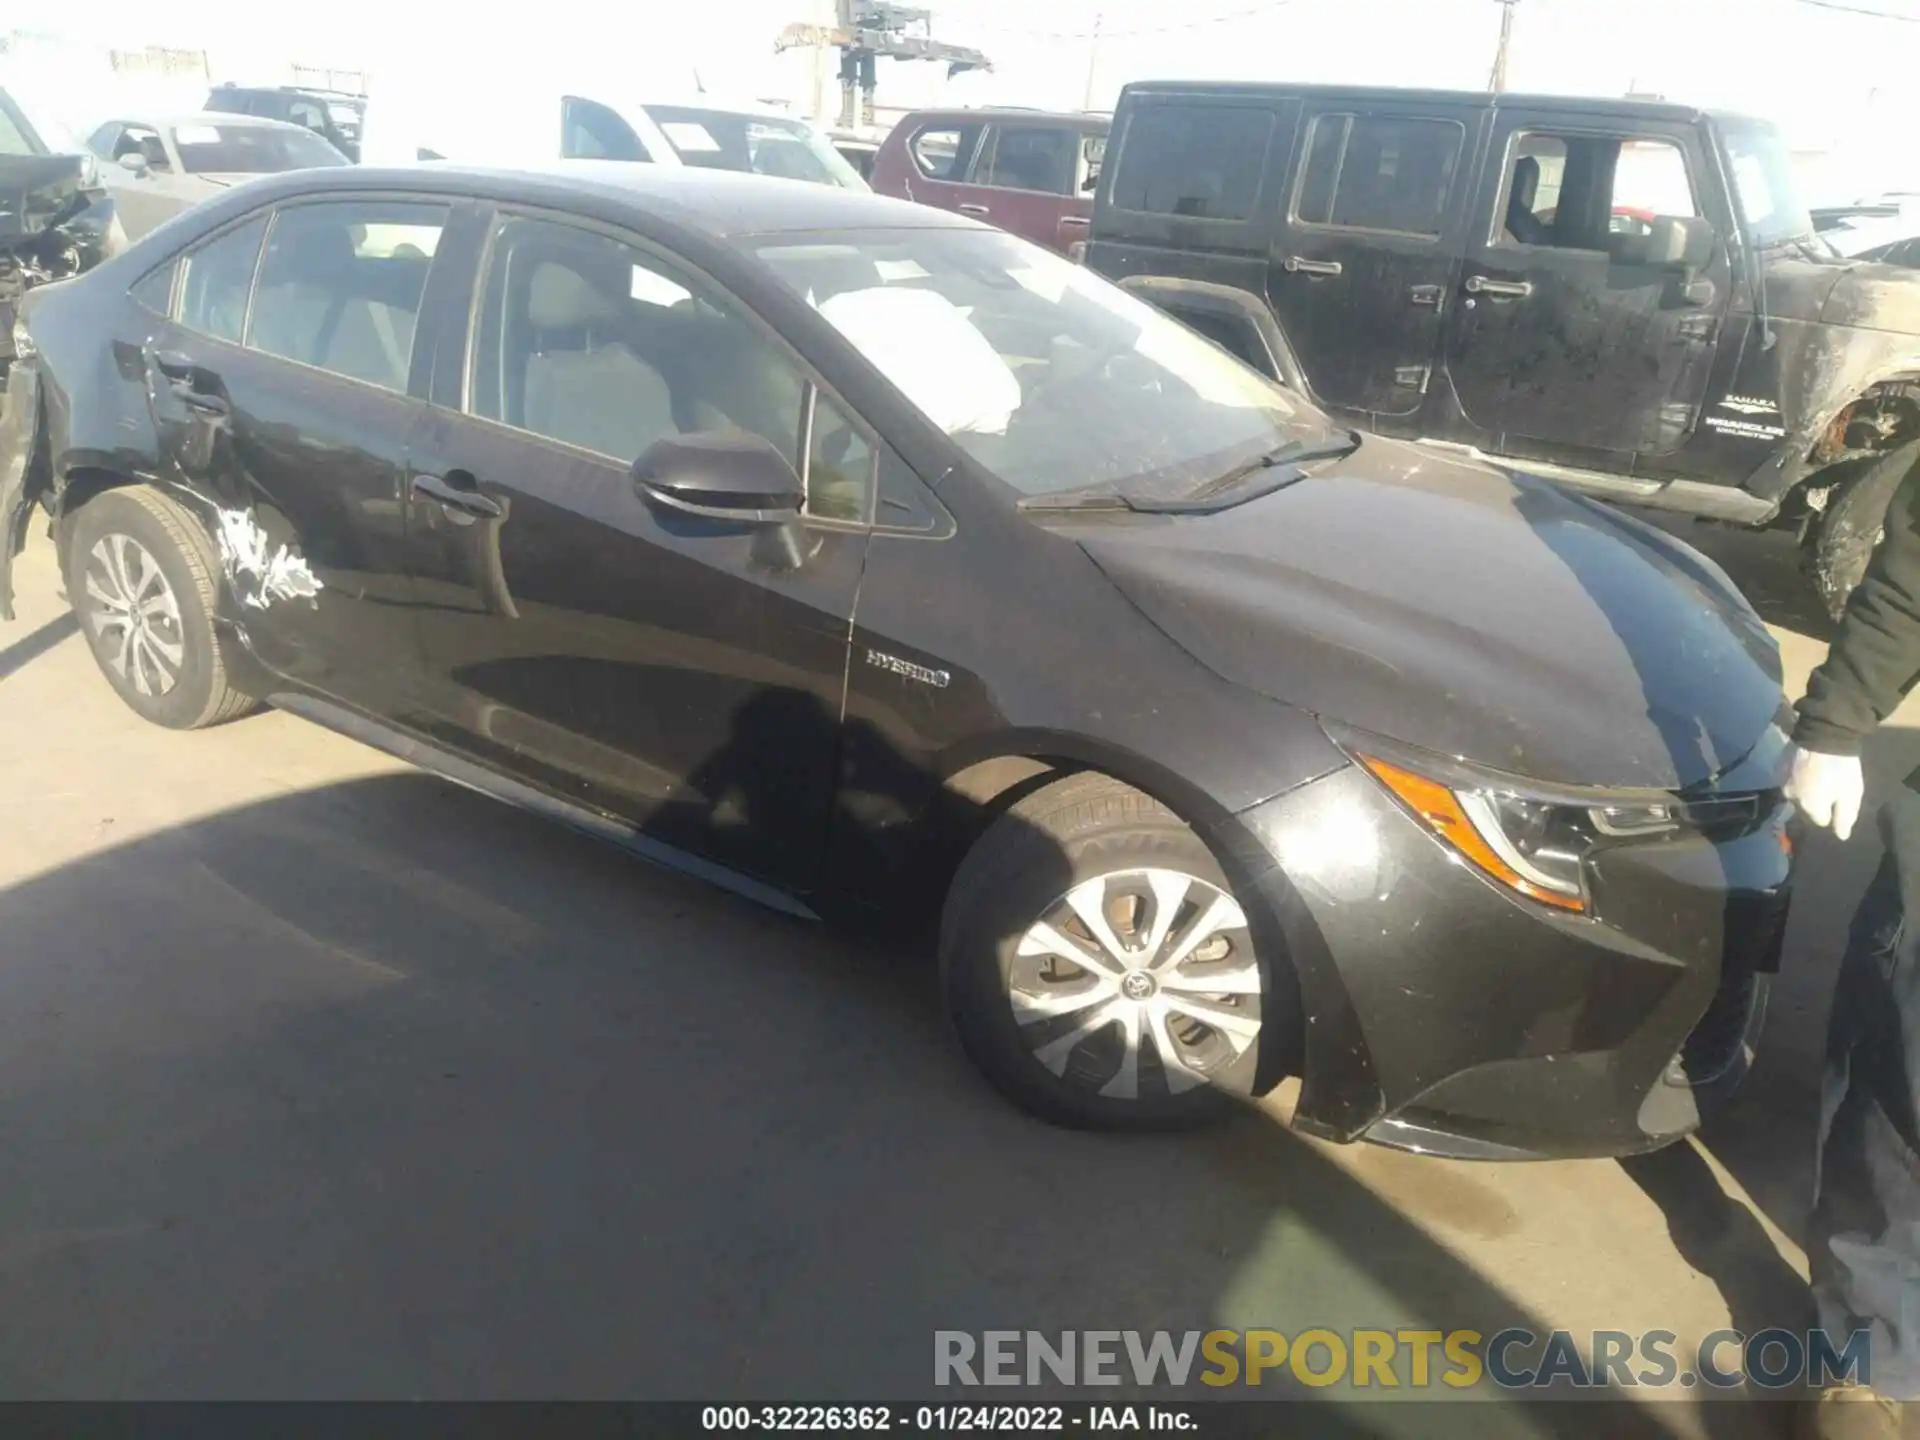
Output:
x,y
1831,79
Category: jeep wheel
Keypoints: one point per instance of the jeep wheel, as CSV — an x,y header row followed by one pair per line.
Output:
x,y
1097,966
141,581
1852,523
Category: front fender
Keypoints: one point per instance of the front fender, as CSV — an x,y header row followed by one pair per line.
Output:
x,y
1823,369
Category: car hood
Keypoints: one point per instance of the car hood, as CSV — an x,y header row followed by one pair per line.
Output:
x,y
40,192
1836,290
1449,606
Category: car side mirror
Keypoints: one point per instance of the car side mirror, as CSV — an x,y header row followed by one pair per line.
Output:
x,y
1681,243
720,475
134,163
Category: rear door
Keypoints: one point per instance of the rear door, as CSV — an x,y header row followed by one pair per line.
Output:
x,y
939,161
283,386
1027,180
1566,334
1363,266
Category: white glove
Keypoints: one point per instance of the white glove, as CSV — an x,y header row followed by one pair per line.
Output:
x,y
1827,788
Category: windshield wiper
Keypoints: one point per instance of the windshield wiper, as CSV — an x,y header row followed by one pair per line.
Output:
x,y
1276,469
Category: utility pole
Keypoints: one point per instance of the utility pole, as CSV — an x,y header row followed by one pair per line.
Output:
x,y
1093,58
1498,81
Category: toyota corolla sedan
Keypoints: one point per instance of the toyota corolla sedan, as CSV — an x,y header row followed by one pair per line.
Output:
x,y
857,557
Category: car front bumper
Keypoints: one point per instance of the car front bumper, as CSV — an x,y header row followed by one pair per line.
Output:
x,y
1444,1014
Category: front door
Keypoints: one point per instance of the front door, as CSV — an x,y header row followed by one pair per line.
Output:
x,y
1580,325
293,413
684,674
1362,272
1025,181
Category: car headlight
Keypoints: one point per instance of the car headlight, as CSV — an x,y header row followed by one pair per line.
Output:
x,y
1536,839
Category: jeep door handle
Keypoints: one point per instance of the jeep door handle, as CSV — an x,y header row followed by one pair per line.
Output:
x,y
1507,289
459,493
1299,265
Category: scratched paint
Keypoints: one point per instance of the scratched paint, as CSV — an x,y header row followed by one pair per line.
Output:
x,y
260,571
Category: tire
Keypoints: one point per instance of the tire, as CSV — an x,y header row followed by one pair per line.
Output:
x,y
1053,1033
170,669
1851,525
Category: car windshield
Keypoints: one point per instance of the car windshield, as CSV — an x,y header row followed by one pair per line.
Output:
x,y
764,145
214,149
1763,180
1044,373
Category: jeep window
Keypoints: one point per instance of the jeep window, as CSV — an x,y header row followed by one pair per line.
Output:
x,y
1763,183
944,153
1042,372
1378,173
1028,157
1596,193
1199,161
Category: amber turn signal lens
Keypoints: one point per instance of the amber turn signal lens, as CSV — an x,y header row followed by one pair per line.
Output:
x,y
1440,808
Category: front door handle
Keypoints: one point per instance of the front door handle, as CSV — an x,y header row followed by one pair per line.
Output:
x,y
1300,265
968,208
1508,289
458,491
1429,295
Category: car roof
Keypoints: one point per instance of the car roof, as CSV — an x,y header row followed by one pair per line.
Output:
x,y
204,117
1079,119
1578,104
719,203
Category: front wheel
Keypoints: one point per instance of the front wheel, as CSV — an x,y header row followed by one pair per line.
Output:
x,y
1852,523
1097,965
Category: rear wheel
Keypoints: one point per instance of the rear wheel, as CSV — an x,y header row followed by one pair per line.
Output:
x,y
141,579
1097,966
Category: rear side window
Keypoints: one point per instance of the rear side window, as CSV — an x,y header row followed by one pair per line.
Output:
x,y
1368,172
213,296
944,152
592,131
1199,161
1029,157
340,287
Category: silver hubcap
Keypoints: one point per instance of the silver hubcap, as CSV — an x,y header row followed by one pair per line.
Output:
x,y
1138,983
135,616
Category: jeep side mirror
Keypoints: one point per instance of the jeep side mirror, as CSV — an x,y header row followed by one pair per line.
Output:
x,y
1682,243
720,475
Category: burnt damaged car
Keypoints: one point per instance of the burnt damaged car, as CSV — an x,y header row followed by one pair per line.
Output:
x,y
1627,297
56,218
858,558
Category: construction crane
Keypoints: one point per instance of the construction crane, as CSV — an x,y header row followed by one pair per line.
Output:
x,y
866,30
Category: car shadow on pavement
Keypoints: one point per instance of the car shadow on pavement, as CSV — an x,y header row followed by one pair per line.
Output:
x,y
35,643
380,1089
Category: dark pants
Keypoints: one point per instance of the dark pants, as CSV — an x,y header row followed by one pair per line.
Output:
x,y
1864,1245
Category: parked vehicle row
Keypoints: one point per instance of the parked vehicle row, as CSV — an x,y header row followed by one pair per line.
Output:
x,y
851,554
156,166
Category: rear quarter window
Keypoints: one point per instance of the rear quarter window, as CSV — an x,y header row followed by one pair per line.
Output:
x,y
1197,160
944,152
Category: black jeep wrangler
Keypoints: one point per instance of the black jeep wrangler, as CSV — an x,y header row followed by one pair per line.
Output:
x,y
1624,296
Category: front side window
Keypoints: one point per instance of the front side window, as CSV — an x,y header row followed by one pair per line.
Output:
x,y
1604,193
1029,157
592,131
1203,162
213,295
340,287
758,145
1048,376
1366,172
210,148
595,343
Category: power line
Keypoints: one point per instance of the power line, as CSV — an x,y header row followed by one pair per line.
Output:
x,y
1102,33
1861,10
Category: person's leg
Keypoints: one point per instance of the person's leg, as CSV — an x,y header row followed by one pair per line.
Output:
x,y
1864,1240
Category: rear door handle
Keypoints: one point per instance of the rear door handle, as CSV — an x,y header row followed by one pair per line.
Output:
x,y
187,380
1299,265
459,493
1429,295
1511,289
967,208
1079,220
